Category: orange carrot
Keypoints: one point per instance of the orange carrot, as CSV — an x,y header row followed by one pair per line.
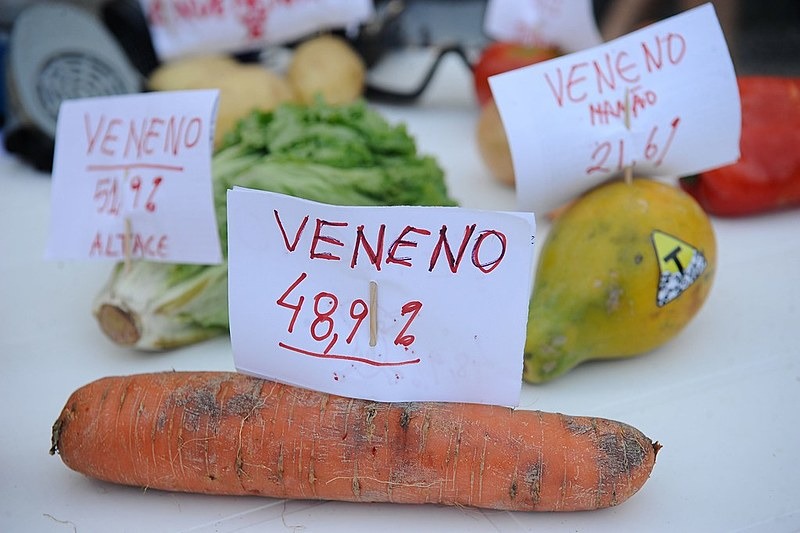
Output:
x,y
228,433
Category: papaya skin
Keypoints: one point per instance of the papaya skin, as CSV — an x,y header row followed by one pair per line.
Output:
x,y
595,292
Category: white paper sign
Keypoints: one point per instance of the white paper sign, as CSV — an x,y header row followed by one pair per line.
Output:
x,y
566,118
566,24
132,179
380,303
209,26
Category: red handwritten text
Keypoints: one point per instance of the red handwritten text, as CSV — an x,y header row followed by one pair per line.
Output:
x,y
610,156
331,240
133,245
638,100
327,319
252,14
139,138
577,82
111,192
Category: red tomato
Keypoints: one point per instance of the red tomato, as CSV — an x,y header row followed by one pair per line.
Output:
x,y
502,56
767,176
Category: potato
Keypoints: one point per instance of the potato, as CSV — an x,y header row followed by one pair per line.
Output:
x,y
198,72
326,66
242,87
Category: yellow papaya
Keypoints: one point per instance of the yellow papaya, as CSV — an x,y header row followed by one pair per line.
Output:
x,y
622,271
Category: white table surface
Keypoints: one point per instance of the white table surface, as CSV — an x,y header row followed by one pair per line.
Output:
x,y
723,397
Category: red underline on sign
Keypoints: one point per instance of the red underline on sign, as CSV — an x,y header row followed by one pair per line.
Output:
x,y
347,357
131,166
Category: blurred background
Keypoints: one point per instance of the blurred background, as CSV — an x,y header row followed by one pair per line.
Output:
x,y
763,36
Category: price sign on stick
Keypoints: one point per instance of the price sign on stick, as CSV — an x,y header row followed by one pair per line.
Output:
x,y
132,179
566,24
662,101
381,303
210,26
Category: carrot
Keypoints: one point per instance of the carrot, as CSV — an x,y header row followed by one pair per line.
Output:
x,y
233,434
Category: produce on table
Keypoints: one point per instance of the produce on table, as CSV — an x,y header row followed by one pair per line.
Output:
x,y
493,144
243,87
344,155
623,269
248,87
328,67
767,176
232,434
502,56
496,58
193,72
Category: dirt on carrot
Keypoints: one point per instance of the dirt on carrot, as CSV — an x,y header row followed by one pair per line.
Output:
x,y
233,434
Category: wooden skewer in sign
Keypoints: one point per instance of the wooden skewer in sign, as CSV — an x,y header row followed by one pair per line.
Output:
x,y
127,240
628,170
373,313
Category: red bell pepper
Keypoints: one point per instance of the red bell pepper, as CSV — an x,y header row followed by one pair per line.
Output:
x,y
767,175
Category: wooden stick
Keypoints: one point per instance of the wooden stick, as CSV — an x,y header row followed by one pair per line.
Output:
x,y
127,236
627,109
373,313
127,239
628,170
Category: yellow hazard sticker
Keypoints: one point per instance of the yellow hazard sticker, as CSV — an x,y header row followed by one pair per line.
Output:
x,y
679,263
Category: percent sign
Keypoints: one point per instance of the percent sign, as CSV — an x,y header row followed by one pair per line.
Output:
x,y
109,193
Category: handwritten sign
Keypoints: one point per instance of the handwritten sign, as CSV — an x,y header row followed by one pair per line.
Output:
x,y
662,100
132,179
566,24
208,26
381,303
